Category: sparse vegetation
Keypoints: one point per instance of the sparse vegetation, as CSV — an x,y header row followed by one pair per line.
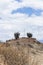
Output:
x,y
25,52
16,35
29,35
15,56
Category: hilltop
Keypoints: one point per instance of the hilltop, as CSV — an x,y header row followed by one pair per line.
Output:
x,y
23,51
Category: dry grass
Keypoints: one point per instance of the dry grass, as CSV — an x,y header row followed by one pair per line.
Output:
x,y
14,56
20,54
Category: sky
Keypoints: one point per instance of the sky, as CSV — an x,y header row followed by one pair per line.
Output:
x,y
21,16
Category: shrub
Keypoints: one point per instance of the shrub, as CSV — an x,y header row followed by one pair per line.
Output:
x,y
29,35
16,35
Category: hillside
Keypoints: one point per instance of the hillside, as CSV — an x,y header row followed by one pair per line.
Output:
x,y
23,51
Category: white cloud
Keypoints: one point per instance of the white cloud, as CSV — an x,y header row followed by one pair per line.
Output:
x,y
18,22
26,3
6,6
33,3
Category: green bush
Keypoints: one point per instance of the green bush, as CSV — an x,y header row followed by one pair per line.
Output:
x,y
29,35
16,35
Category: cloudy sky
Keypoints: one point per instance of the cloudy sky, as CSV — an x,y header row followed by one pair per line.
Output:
x,y
21,16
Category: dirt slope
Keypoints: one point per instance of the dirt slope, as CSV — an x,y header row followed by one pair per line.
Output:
x,y
23,51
